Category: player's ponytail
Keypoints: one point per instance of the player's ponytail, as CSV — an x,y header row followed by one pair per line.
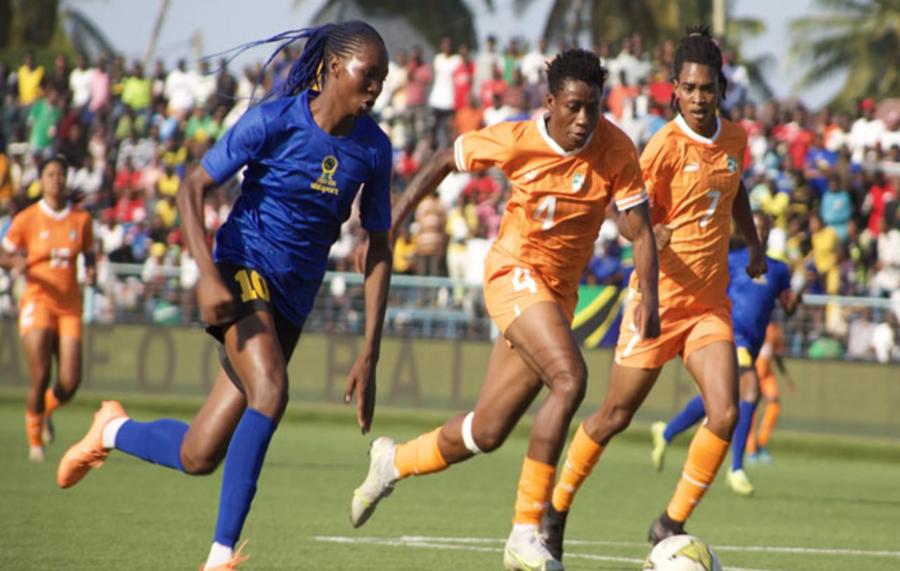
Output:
x,y
310,69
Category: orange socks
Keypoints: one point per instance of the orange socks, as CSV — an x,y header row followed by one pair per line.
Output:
x,y
704,458
419,456
535,488
580,460
34,423
770,417
51,403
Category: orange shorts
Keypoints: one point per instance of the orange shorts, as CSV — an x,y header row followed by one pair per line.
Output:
x,y
683,330
511,287
35,315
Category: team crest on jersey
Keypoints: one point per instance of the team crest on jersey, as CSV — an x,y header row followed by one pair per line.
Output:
x,y
325,182
731,163
72,235
577,181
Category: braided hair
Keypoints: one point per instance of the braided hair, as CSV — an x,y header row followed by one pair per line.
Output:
x,y
577,64
698,47
322,42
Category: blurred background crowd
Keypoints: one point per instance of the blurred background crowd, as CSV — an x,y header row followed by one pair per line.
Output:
x,y
829,180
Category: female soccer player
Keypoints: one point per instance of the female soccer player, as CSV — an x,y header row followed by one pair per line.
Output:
x,y
692,168
565,168
308,154
44,241
752,302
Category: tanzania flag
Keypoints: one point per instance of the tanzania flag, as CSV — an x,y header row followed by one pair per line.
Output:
x,y
598,315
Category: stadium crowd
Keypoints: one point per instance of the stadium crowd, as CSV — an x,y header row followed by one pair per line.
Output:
x,y
829,180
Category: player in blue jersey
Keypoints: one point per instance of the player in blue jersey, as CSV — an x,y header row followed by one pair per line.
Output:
x,y
752,302
309,149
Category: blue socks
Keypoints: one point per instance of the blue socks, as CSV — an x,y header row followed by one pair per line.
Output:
x,y
243,464
741,432
690,415
158,442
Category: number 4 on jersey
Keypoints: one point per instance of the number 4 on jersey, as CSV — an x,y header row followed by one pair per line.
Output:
x,y
545,211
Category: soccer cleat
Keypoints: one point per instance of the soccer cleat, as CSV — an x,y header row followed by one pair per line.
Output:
x,y
763,457
525,551
553,529
658,455
48,432
379,482
236,559
664,527
739,483
88,452
35,453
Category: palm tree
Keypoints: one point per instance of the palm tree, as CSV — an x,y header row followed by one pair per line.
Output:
x,y
859,37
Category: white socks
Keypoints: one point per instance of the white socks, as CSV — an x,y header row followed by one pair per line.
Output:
x,y
111,430
218,555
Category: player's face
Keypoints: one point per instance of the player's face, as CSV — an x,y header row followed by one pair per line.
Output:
x,y
53,180
697,90
360,77
574,112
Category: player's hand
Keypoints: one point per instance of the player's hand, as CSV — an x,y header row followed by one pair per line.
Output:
x,y
663,235
358,256
361,381
646,317
789,382
215,301
18,264
757,265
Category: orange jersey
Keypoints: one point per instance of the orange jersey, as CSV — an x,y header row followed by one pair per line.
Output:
x,y
558,198
53,241
692,182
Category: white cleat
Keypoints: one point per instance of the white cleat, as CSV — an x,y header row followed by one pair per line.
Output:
x,y
525,551
379,482
740,483
36,453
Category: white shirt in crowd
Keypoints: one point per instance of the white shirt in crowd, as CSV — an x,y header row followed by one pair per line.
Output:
x,y
442,89
80,83
179,90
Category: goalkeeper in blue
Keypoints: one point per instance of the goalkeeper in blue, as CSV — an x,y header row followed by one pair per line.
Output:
x,y
308,152
752,302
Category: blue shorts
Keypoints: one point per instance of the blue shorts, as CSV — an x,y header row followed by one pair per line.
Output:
x,y
746,351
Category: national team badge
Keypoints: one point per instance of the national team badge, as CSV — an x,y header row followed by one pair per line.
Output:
x,y
731,163
72,235
325,182
577,181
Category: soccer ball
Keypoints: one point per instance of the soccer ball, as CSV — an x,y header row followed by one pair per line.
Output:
x,y
682,553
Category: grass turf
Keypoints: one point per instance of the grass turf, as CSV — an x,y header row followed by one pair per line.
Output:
x,y
837,506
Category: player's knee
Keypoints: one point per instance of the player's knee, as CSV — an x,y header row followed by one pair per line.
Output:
x,y
268,396
722,419
198,463
571,384
489,438
614,420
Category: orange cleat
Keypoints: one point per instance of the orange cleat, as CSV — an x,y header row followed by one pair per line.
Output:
x,y
236,559
88,452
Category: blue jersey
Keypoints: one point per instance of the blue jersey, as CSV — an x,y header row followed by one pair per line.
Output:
x,y
752,300
299,186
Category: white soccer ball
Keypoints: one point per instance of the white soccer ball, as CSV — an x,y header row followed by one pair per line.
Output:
x,y
682,553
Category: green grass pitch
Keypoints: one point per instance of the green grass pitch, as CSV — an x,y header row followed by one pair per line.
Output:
x,y
821,506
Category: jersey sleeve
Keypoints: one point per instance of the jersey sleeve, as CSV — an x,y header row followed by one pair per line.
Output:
x,y
237,147
375,202
628,184
14,240
656,170
484,148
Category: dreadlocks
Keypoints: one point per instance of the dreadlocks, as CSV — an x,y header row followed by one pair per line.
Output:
x,y
698,47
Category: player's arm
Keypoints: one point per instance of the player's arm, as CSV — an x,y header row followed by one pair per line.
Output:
x,y
743,217
13,255
215,301
422,185
661,232
377,282
782,368
646,264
